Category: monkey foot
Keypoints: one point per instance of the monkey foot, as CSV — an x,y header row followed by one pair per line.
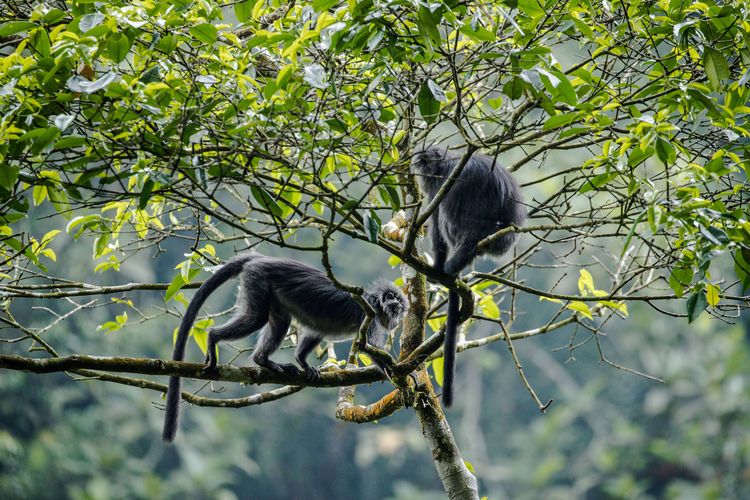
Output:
x,y
312,373
210,371
286,368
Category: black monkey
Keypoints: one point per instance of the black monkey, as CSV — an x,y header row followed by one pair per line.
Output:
x,y
483,200
272,291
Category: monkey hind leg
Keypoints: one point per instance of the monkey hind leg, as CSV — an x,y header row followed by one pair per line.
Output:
x,y
461,256
239,327
269,342
307,343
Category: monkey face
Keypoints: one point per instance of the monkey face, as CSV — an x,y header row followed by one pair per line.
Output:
x,y
394,306
389,303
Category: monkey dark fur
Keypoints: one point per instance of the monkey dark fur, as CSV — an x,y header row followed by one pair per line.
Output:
x,y
483,200
272,292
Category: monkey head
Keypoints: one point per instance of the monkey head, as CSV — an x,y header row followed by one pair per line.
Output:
x,y
388,301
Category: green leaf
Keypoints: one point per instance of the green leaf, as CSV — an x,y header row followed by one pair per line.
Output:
x,y
716,67
712,295
13,27
514,88
665,151
680,278
429,107
118,47
205,32
437,370
696,304
321,5
70,141
555,121
266,201
742,267
371,222
437,92
714,234
40,138
598,181
565,88
8,176
244,10
530,7
145,194
90,21
174,287
78,83
480,34
428,24
631,233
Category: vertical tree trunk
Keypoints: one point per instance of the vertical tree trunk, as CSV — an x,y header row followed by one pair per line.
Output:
x,y
458,481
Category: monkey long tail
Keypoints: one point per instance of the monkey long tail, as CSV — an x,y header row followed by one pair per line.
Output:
x,y
449,348
228,271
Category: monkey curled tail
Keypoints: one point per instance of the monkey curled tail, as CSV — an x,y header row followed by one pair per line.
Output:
x,y
483,200
272,292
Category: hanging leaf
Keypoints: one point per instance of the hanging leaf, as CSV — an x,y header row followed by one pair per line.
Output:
x,y
118,47
437,370
205,32
696,304
266,200
13,27
429,106
716,67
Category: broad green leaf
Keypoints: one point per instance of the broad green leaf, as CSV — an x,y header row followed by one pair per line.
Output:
x,y
428,24
560,120
665,151
429,107
13,27
78,83
8,176
437,370
266,200
514,88
321,5
696,304
118,47
174,287
716,67
205,32
437,91
244,10
712,295
598,181
372,225
90,21
680,278
480,34
742,267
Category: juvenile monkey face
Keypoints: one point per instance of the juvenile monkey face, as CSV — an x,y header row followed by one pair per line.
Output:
x,y
393,305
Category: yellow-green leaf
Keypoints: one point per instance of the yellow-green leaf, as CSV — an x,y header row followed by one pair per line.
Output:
x,y
489,308
712,295
437,370
580,307
585,282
